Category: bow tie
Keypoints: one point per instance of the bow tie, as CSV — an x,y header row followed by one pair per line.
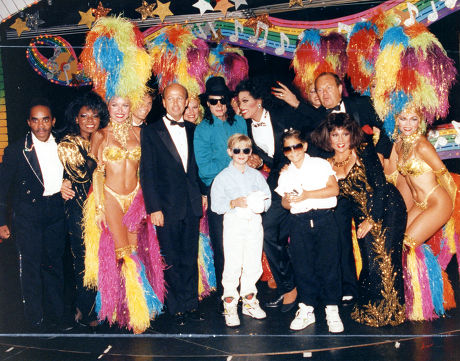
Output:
x,y
173,122
336,108
258,124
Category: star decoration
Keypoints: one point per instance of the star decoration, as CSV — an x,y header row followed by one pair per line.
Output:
x,y
20,26
33,20
223,5
145,10
162,10
87,18
203,5
217,38
238,3
252,22
295,2
101,11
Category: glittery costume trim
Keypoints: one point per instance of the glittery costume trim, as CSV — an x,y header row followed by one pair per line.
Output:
x,y
124,200
424,204
125,251
387,311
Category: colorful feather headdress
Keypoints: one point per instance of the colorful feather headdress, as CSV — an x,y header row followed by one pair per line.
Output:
x,y
179,56
412,71
229,63
316,54
363,48
115,59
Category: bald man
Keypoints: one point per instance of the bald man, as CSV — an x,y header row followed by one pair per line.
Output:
x,y
170,183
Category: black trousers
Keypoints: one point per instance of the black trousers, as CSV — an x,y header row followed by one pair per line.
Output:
x,y
343,216
178,240
216,233
40,238
276,233
315,257
84,297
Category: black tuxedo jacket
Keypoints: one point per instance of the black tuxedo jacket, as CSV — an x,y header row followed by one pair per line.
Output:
x,y
21,178
283,119
165,184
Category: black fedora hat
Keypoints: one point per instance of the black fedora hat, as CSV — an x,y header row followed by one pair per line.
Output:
x,y
216,86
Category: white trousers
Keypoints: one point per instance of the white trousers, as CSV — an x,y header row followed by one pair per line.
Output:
x,y
243,242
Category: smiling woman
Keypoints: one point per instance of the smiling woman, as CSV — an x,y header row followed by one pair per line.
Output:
x,y
379,214
84,116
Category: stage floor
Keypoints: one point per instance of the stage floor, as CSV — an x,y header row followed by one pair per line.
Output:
x,y
268,339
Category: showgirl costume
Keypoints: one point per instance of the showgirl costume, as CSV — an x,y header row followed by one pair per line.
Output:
x,y
79,164
380,298
427,287
129,280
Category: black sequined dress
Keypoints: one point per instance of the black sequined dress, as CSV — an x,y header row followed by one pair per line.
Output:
x,y
79,165
380,298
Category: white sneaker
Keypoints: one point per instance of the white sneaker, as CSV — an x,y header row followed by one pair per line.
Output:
x,y
231,313
333,319
304,317
252,308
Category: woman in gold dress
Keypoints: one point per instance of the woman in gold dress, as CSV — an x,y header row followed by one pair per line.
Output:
x,y
84,116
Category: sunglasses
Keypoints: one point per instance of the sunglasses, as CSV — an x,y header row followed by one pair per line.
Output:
x,y
291,148
214,101
238,150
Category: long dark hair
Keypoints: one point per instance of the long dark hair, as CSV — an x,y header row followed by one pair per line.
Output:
x,y
90,100
321,135
230,112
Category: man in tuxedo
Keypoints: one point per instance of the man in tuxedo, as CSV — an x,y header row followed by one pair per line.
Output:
x,y
329,89
171,188
31,175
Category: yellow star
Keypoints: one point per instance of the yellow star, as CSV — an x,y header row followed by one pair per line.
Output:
x,y
223,5
19,26
100,11
145,10
295,2
162,10
87,18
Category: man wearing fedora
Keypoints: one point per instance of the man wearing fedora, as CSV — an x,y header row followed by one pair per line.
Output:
x,y
210,144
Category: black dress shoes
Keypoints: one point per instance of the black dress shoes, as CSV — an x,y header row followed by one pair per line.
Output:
x,y
288,306
277,302
195,315
179,317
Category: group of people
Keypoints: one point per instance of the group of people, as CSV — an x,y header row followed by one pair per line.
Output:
x,y
271,173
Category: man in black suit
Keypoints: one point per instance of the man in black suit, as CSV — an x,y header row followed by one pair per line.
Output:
x,y
170,184
329,89
31,175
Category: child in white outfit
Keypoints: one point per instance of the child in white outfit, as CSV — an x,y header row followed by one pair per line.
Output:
x,y
241,194
309,189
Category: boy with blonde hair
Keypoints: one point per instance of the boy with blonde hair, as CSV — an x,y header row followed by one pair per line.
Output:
x,y
241,194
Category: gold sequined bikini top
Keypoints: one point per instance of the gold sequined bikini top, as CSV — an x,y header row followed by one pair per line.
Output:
x,y
114,154
413,167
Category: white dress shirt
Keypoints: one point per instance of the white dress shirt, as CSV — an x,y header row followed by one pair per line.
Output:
x,y
50,165
179,137
312,175
262,132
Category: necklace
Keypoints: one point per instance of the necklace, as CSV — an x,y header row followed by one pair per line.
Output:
x,y
342,163
408,144
121,131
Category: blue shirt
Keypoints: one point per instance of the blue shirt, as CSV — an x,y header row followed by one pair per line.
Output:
x,y
210,145
231,183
